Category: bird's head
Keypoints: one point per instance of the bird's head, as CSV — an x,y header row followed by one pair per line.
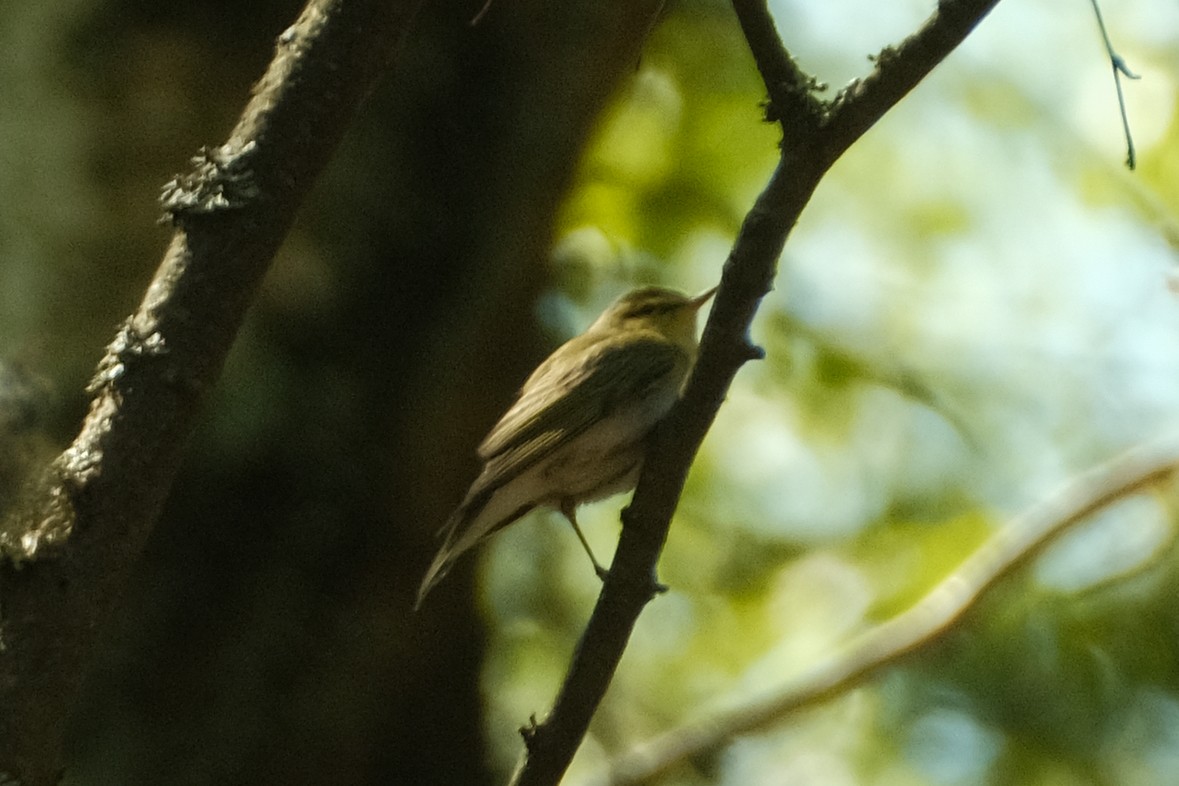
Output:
x,y
666,311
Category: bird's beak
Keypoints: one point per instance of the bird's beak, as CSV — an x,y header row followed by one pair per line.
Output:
x,y
702,298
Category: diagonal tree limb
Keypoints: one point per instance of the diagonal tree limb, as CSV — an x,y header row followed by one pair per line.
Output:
x,y
69,547
815,135
918,626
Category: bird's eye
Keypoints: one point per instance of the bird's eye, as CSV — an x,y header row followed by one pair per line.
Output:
x,y
644,311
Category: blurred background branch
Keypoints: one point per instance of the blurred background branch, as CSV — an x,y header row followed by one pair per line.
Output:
x,y
920,626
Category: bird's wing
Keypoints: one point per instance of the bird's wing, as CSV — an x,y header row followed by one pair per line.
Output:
x,y
561,400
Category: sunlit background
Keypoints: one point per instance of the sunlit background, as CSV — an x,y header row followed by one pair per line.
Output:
x,y
979,303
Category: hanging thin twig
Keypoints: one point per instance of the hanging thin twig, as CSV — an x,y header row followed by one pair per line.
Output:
x,y
1119,69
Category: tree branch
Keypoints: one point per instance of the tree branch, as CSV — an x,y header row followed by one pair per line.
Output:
x,y
899,69
70,545
814,136
923,623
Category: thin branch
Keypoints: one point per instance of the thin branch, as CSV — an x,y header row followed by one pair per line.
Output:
x,y
793,99
919,626
809,149
78,534
1119,69
899,69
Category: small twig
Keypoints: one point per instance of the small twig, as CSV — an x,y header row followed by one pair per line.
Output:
x,y
1119,69
477,18
920,625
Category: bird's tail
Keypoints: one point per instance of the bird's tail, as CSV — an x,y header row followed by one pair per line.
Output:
x,y
441,566
445,558
465,529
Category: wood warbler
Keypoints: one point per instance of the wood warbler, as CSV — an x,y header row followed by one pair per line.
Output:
x,y
578,429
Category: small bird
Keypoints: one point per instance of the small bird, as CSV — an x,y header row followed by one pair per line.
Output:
x,y
578,429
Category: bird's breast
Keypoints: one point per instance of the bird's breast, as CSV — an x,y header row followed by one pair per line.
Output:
x,y
606,458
